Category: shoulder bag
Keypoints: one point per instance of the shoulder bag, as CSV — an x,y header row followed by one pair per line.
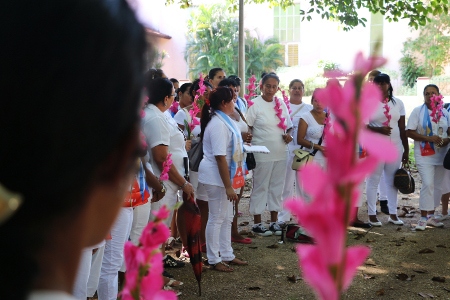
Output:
x,y
403,180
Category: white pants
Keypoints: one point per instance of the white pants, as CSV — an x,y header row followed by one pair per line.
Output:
x,y
218,228
141,215
431,191
113,255
373,180
199,188
170,199
446,182
96,266
268,185
291,188
382,188
84,273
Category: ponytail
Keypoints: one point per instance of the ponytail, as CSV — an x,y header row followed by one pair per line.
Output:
x,y
219,94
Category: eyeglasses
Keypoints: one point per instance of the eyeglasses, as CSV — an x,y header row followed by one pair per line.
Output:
x,y
174,95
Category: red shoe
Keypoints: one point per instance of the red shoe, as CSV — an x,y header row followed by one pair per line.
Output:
x,y
242,241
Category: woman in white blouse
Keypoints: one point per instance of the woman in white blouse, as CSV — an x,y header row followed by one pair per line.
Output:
x,y
430,146
271,126
394,128
221,173
163,137
298,108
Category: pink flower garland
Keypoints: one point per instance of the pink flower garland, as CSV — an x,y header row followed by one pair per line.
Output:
x,y
329,265
143,279
436,107
196,106
279,113
386,112
286,100
166,167
251,91
174,107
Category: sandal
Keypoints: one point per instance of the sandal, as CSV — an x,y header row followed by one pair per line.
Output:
x,y
168,288
242,240
237,262
221,267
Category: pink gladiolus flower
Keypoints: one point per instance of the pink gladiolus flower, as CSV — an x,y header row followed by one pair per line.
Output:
x,y
279,113
386,112
174,107
286,100
329,266
154,235
162,214
251,91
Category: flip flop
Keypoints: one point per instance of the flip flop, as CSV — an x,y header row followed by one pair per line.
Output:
x,y
242,241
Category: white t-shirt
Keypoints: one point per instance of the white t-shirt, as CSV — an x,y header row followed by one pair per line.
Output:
x,y
313,133
262,117
161,129
181,116
415,123
216,141
396,111
297,111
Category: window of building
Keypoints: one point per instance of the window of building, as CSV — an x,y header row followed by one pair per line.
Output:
x,y
287,23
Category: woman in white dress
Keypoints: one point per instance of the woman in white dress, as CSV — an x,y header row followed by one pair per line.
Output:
x,y
430,148
298,108
221,172
271,126
394,128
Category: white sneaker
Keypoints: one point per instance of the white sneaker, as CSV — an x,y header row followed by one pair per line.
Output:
x,y
435,223
421,225
441,218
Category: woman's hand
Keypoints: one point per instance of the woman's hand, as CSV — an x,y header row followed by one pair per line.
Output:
x,y
247,137
157,195
386,130
287,138
445,142
231,194
187,145
322,148
435,139
188,189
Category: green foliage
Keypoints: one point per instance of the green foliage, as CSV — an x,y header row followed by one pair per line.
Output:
x,y
328,65
346,11
433,43
212,41
410,69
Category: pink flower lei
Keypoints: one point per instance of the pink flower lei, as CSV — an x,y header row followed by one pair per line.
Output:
x,y
386,112
251,91
436,108
279,113
329,265
166,167
196,105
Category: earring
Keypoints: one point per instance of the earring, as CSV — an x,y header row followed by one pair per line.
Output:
x,y
165,104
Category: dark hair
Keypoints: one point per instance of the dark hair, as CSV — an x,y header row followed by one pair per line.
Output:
x,y
196,85
313,96
185,87
384,78
270,75
430,85
158,89
236,78
174,80
89,53
153,74
296,80
219,94
212,73
228,82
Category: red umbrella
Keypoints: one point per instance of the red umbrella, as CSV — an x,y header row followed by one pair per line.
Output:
x,y
189,224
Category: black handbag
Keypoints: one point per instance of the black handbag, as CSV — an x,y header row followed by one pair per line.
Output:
x,y
403,180
250,161
446,162
195,154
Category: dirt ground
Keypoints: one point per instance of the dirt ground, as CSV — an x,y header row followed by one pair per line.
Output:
x,y
396,268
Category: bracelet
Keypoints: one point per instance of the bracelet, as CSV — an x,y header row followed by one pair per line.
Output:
x,y
184,184
312,146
